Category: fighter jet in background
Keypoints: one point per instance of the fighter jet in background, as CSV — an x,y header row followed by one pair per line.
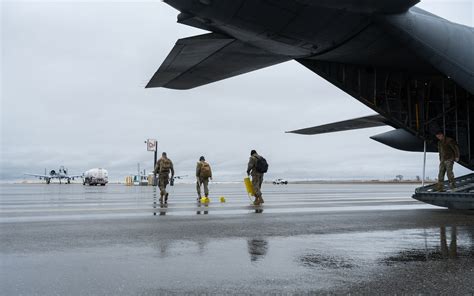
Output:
x,y
413,68
60,175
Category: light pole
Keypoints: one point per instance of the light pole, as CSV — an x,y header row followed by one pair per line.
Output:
x,y
152,145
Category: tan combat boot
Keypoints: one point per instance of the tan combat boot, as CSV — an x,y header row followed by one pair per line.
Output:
x,y
452,186
257,201
439,187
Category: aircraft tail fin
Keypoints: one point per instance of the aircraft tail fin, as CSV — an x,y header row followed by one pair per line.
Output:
x,y
207,58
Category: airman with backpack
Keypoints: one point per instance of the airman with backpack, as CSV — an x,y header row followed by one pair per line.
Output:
x,y
257,166
203,174
163,168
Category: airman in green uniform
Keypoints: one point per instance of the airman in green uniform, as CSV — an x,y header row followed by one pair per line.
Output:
x,y
448,154
163,168
257,177
203,174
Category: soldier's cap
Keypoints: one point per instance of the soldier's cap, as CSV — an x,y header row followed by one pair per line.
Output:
x,y
164,153
201,158
253,152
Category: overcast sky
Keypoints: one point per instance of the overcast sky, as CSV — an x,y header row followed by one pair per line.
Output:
x,y
72,93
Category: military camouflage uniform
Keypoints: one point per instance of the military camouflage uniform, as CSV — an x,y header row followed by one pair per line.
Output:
x,y
448,153
163,169
201,180
257,178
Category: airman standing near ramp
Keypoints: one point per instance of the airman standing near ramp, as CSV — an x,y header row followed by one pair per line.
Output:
x,y
257,166
448,154
163,168
203,174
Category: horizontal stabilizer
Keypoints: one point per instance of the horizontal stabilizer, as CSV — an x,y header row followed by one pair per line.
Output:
x,y
207,58
346,125
365,6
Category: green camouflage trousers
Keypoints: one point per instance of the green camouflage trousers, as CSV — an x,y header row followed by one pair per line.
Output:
x,y
446,166
257,180
163,181
205,182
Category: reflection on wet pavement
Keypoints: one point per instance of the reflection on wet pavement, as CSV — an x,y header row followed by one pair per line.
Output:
x,y
257,249
391,248
311,262
447,249
204,206
338,244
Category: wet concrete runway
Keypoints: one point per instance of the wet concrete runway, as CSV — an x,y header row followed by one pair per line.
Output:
x,y
70,239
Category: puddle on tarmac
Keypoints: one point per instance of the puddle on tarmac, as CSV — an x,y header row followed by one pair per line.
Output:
x,y
315,261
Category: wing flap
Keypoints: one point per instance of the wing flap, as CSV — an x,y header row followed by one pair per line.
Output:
x,y
346,125
207,58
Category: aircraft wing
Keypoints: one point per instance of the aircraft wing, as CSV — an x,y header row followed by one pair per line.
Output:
x,y
365,6
346,125
38,175
207,58
75,176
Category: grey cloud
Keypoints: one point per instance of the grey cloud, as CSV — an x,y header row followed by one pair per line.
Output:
x,y
73,77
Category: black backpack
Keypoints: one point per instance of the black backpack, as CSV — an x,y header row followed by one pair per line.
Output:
x,y
262,165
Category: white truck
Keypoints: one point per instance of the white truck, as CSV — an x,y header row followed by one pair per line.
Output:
x,y
280,182
97,176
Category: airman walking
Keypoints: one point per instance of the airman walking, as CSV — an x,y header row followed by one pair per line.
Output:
x,y
203,174
163,168
257,166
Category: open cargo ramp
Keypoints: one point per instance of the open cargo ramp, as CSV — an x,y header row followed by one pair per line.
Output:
x,y
461,198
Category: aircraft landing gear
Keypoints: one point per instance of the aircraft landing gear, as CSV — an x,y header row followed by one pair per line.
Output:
x,y
48,180
69,181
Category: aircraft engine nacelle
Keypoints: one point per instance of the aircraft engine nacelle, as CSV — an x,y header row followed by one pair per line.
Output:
x,y
402,140
52,173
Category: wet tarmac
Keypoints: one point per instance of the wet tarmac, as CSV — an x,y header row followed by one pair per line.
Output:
x,y
118,240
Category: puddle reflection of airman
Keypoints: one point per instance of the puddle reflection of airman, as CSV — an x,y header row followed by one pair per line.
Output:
x,y
162,209
163,168
203,174
448,154
205,212
202,246
164,246
257,175
450,251
257,249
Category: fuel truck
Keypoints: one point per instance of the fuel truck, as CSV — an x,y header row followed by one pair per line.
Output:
x,y
97,176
